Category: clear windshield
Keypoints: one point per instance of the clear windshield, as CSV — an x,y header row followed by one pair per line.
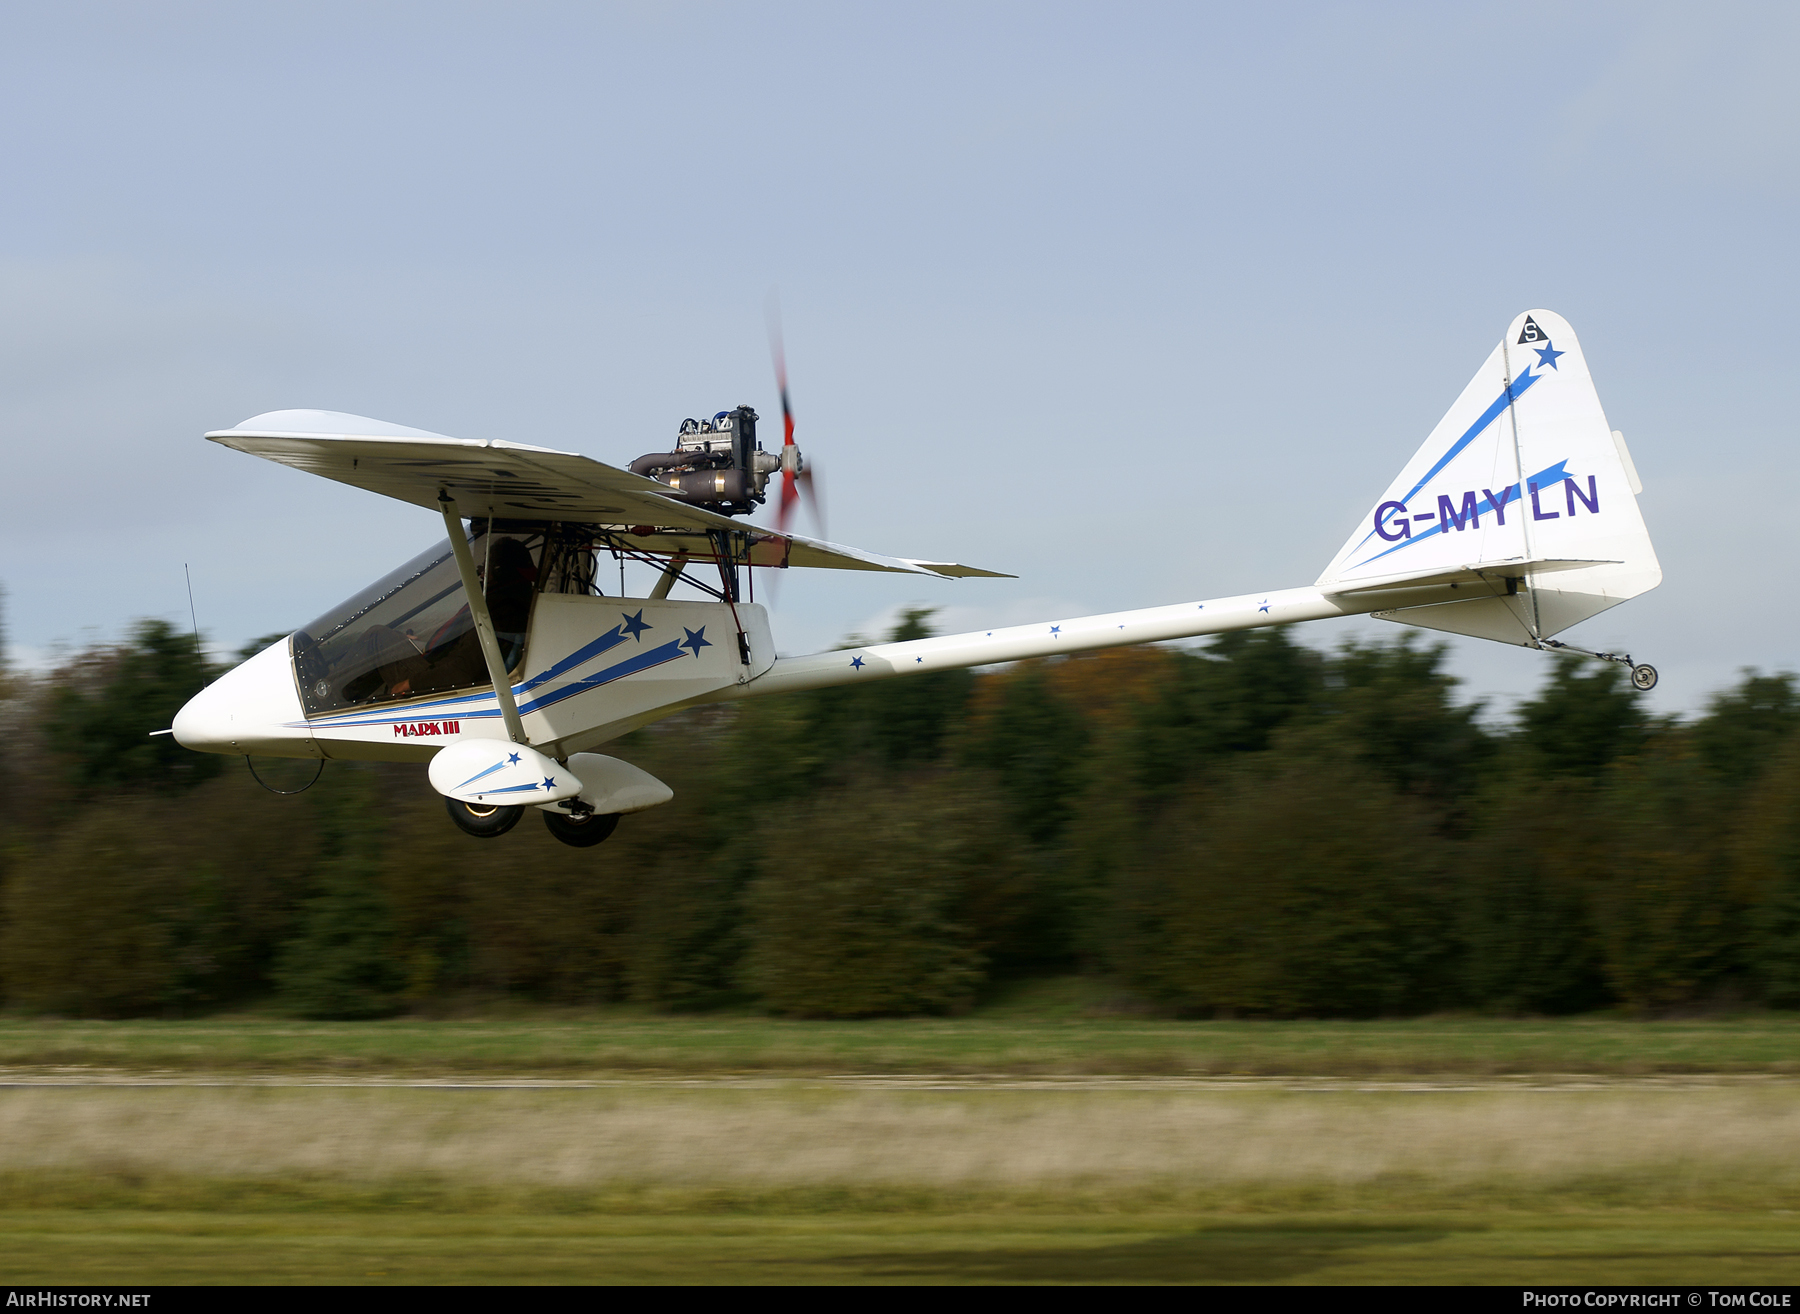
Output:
x,y
409,634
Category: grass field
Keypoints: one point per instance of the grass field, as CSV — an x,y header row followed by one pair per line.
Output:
x,y
1045,1028
1038,1140
811,1181
1624,1246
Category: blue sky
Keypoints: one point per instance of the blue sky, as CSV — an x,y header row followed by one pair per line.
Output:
x,y
1144,303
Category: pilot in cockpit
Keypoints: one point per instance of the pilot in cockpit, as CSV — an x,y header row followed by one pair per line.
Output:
x,y
409,664
510,575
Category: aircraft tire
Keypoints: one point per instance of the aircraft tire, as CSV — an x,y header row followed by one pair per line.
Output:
x,y
482,823
1643,678
582,832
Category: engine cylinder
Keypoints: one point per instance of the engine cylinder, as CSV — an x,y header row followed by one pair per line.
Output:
x,y
649,463
709,486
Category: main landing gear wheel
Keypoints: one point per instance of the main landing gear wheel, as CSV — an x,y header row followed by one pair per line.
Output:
x,y
1643,678
581,832
481,821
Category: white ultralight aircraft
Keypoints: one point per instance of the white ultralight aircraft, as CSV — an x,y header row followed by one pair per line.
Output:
x,y
496,657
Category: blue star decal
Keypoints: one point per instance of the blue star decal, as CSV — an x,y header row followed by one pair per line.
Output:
x,y
1056,629
1548,353
919,660
549,782
696,639
512,759
636,625
856,662
1265,605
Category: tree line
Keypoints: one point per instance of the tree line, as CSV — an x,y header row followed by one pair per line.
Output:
x,y
1253,828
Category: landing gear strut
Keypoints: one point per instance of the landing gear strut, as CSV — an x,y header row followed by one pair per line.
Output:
x,y
1643,675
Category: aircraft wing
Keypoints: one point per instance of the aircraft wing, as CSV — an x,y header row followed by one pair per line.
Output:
x,y
954,571
516,481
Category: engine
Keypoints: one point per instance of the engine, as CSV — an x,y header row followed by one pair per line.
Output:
x,y
717,464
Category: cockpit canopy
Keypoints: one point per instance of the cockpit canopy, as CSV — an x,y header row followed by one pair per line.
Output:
x,y
410,634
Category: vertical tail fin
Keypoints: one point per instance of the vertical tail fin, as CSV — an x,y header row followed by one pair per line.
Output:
x,y
1523,478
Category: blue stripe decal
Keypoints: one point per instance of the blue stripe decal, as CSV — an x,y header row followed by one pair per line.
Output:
x,y
508,789
1495,410
1520,386
418,712
1554,474
644,661
581,656
479,774
432,710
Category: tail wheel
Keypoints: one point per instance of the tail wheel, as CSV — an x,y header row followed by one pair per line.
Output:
x,y
1643,678
480,820
581,832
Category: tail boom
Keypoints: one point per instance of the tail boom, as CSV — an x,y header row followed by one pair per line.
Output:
x,y
1187,620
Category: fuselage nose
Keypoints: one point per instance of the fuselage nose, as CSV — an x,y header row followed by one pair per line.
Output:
x,y
252,708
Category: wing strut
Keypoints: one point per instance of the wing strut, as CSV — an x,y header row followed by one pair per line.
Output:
x,y
484,625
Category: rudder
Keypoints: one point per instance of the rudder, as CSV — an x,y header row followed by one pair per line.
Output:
x,y
1522,478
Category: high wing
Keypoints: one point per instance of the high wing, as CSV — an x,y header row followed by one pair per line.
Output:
x,y
516,481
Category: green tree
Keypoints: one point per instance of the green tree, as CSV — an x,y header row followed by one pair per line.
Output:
x,y
1295,886
1768,871
1671,930
153,905
1744,728
87,927
736,771
1035,743
868,902
1585,716
689,935
1528,878
341,963
1391,704
906,721
102,719
1229,698
890,723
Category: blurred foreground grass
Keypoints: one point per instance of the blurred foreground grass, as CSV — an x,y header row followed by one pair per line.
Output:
x,y
1051,1027
799,1179
811,1182
1627,1247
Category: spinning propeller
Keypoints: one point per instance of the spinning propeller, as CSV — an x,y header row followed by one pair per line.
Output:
x,y
796,470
